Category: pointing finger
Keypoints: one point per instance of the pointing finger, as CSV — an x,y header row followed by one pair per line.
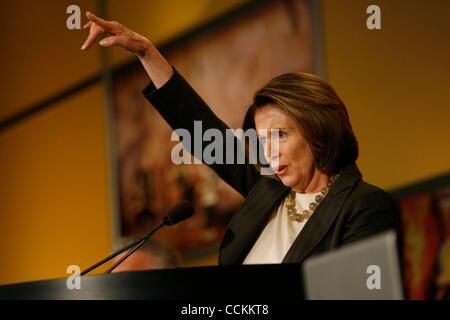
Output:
x,y
107,25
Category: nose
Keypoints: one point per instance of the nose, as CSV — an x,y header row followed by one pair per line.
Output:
x,y
272,153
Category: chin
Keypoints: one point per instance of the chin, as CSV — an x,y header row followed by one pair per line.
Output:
x,y
287,181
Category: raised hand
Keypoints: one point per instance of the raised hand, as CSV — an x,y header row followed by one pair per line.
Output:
x,y
116,35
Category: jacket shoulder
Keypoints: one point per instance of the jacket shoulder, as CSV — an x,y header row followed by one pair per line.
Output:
x,y
365,194
367,211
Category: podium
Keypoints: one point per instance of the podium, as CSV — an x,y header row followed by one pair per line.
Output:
x,y
243,282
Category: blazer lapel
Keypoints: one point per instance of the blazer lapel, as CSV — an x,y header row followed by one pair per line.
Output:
x,y
250,219
322,219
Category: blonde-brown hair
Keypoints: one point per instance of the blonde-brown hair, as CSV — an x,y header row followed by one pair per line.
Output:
x,y
320,114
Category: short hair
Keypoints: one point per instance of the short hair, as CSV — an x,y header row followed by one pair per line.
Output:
x,y
320,114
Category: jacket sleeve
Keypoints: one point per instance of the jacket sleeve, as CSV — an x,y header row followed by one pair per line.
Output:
x,y
181,106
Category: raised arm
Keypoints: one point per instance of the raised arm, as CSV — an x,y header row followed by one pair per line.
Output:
x,y
171,95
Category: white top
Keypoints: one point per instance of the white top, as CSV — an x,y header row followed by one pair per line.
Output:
x,y
279,233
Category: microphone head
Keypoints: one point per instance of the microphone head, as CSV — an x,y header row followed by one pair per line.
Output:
x,y
183,210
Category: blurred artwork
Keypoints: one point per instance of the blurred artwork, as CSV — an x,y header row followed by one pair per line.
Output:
x,y
426,244
225,64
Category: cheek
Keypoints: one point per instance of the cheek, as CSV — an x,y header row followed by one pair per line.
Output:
x,y
291,150
300,155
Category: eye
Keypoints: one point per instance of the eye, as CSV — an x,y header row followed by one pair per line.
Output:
x,y
283,134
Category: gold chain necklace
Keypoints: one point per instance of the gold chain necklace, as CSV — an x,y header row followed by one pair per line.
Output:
x,y
305,214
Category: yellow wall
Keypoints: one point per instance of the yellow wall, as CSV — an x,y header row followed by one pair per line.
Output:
x,y
396,84
54,201
54,206
39,55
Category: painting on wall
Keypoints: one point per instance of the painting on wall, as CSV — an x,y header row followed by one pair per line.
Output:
x,y
225,63
425,223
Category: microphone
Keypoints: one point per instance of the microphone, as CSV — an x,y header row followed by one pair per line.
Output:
x,y
181,211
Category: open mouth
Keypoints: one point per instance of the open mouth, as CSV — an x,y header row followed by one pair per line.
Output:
x,y
282,169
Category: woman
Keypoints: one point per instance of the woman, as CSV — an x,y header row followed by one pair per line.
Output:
x,y
318,188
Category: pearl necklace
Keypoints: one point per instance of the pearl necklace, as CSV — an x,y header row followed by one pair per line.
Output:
x,y
305,214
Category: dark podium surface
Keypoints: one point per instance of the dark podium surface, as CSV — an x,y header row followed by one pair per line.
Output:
x,y
255,282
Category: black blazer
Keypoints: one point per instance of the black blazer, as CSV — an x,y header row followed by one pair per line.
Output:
x,y
353,209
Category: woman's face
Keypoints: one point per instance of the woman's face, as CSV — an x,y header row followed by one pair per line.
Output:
x,y
296,161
